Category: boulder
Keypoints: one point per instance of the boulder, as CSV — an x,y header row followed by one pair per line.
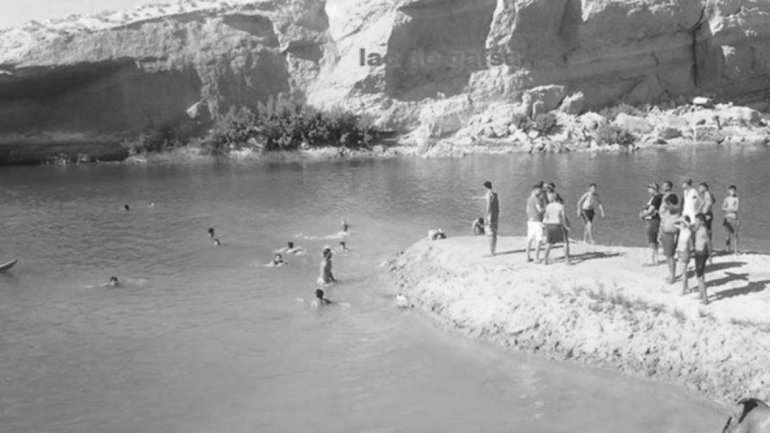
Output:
x,y
592,120
573,104
633,124
543,99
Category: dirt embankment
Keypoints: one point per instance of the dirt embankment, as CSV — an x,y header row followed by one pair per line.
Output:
x,y
605,311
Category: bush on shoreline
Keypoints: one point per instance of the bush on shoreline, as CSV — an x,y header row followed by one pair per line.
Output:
x,y
283,123
608,134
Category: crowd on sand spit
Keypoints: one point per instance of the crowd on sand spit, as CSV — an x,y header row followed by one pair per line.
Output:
x,y
682,228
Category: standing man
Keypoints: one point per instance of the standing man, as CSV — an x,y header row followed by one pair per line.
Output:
x,y
556,226
691,200
535,211
731,223
586,209
708,204
493,215
650,215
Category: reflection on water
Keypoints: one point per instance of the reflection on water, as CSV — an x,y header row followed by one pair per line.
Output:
x,y
205,338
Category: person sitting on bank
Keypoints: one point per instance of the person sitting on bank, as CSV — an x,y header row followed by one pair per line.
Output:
x,y
478,227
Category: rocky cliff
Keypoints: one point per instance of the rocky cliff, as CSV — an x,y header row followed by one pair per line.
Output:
x,y
417,65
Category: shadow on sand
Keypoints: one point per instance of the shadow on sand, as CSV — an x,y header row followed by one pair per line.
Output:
x,y
751,287
593,255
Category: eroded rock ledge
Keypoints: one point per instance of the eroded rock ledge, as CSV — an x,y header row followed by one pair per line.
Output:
x,y
110,77
605,311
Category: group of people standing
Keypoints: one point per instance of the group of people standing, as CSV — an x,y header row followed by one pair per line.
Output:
x,y
682,227
547,222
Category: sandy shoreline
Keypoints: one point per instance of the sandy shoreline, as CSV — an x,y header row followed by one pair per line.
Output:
x,y
606,311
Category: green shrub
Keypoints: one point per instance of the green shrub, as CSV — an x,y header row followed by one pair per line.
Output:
x,y
608,134
285,123
612,112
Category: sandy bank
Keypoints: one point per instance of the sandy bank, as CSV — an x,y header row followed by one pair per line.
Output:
x,y
605,311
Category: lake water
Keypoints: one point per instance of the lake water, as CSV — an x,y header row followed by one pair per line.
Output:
x,y
206,339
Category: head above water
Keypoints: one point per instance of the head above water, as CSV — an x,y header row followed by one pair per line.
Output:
x,y
319,294
290,244
211,231
126,207
488,184
113,281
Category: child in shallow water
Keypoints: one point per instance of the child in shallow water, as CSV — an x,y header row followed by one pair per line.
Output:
x,y
326,276
478,227
277,261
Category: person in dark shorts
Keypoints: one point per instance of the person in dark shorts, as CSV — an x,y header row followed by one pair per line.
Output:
x,y
731,222
651,216
684,248
669,215
556,226
586,209
702,245
493,216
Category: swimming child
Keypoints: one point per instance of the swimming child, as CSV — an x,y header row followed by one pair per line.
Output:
x,y
293,249
276,262
211,232
113,282
320,300
344,247
436,234
326,276
731,222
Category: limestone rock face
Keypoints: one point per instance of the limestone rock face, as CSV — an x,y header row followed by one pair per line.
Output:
x,y
118,74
